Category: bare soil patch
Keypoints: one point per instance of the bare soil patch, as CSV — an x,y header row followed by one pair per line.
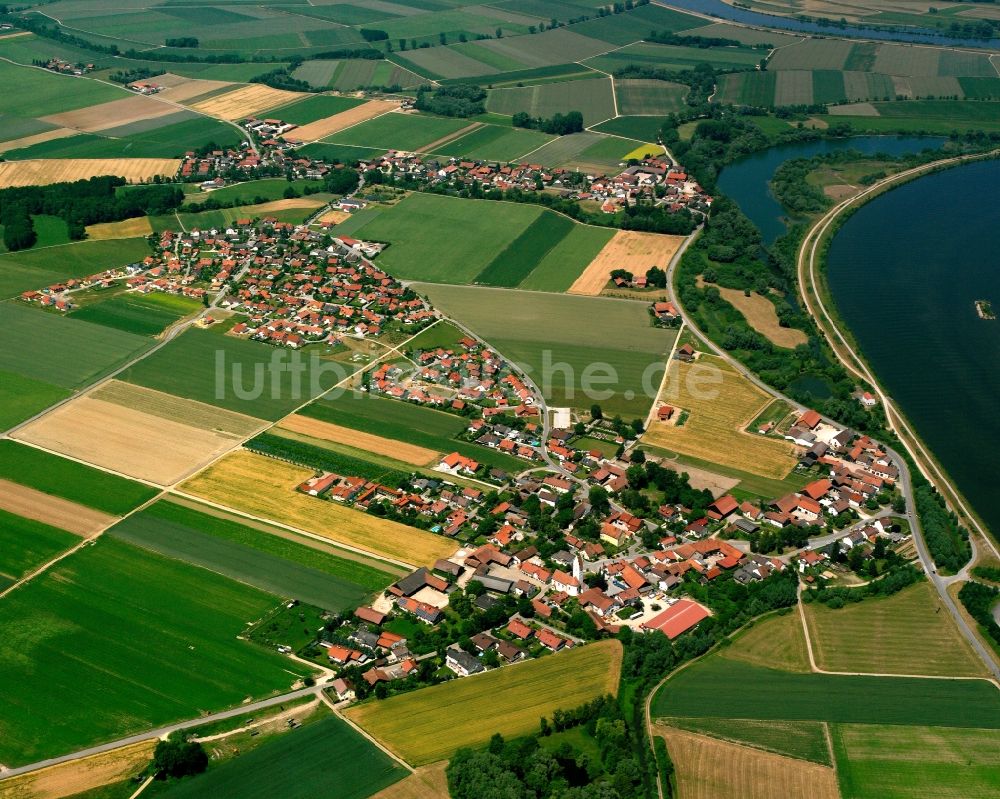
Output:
x,y
762,316
245,101
127,440
112,115
333,217
708,768
24,501
126,229
57,170
630,250
322,128
408,453
78,776
702,479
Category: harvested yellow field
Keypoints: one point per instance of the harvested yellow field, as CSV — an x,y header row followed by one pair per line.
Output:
x,y
177,409
245,101
408,453
126,229
179,89
284,205
265,487
27,141
707,768
78,776
762,316
333,217
427,782
777,642
642,151
112,114
127,440
345,119
630,250
429,725
57,170
721,403
24,501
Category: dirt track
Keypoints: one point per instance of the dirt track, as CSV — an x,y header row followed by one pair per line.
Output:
x,y
55,511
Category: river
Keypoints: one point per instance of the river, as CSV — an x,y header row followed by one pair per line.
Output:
x,y
905,271
748,180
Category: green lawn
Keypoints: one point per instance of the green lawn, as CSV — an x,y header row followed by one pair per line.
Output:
x,y
22,397
399,131
268,562
70,480
323,758
521,256
779,695
173,653
564,264
142,314
40,267
26,544
60,350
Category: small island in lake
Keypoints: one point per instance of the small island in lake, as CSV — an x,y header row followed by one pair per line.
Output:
x,y
985,309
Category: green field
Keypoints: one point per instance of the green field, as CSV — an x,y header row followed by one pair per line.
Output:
x,y
649,97
675,57
495,143
523,254
563,264
805,740
26,544
22,397
399,131
891,762
32,92
187,367
403,421
606,154
568,342
70,480
445,239
50,230
780,695
273,564
174,652
643,128
592,98
320,106
252,192
142,314
352,74
60,350
324,758
37,268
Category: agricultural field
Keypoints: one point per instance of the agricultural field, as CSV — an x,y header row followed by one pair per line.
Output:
x,y
642,128
777,642
406,424
875,761
143,314
813,54
930,116
592,98
69,480
608,153
350,117
174,654
31,93
25,544
554,337
268,562
37,506
399,131
561,266
495,143
509,700
137,227
368,442
631,250
901,634
352,74
244,101
676,57
69,168
265,487
314,107
748,773
649,97
516,261
325,757
22,397
803,740
720,403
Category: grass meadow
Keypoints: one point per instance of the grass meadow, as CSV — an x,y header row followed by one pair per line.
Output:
x,y
70,480
495,143
32,92
26,544
273,564
22,397
142,314
174,653
34,269
508,700
319,106
323,758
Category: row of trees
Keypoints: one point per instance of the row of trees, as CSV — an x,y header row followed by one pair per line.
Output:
x,y
459,100
557,124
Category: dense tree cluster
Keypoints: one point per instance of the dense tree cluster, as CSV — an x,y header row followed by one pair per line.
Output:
x,y
458,100
557,124
177,757
900,576
702,42
182,41
282,78
979,600
947,540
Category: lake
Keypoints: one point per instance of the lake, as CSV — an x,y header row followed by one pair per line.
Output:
x,y
905,271
747,181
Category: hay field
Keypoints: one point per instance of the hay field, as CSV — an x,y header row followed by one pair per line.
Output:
x,y
408,453
708,768
775,643
69,516
245,101
265,487
57,170
721,403
333,217
37,138
126,229
345,119
427,782
127,440
762,316
429,725
113,114
629,250
78,776
901,634
178,88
